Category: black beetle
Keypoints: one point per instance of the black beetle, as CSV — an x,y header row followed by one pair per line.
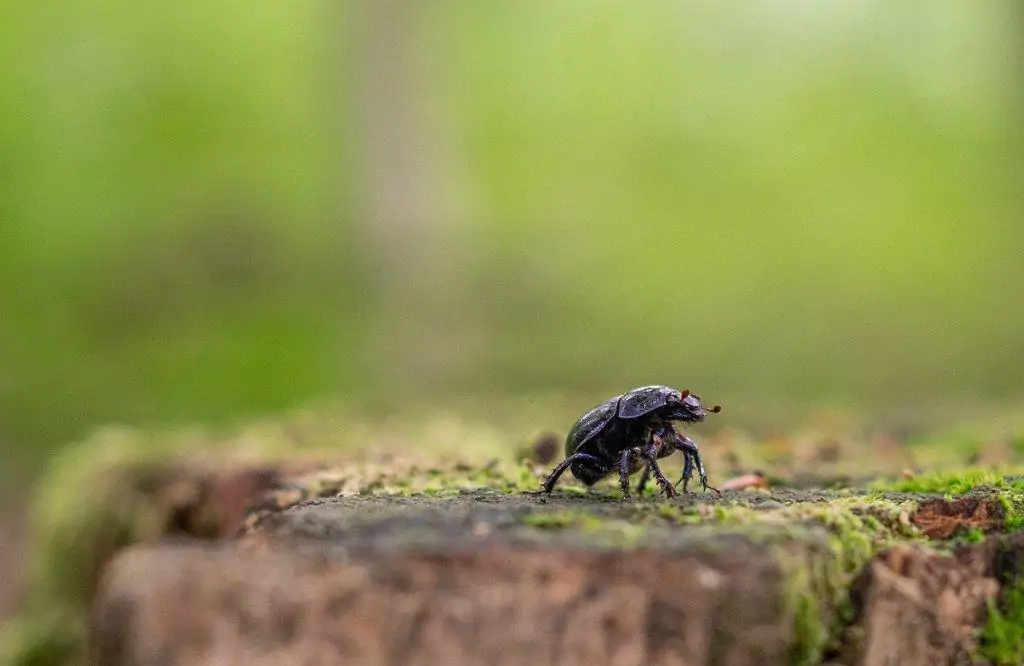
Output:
x,y
631,431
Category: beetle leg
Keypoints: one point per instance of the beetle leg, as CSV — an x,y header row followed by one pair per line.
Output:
x,y
643,480
651,454
690,450
552,479
687,470
624,472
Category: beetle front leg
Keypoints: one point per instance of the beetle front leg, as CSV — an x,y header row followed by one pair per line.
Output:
x,y
692,453
687,470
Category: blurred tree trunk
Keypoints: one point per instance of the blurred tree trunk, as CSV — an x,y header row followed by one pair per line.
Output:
x,y
399,168
408,186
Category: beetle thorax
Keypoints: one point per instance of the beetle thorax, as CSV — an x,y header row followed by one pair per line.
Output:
x,y
665,444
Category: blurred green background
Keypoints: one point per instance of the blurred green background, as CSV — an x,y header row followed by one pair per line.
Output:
x,y
217,210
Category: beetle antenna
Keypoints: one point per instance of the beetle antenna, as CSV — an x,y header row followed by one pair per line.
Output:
x,y
715,409
684,394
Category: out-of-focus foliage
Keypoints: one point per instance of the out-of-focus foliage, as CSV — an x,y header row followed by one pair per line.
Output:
x,y
165,250
816,200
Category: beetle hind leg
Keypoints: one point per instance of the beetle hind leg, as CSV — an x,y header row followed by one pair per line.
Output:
x,y
552,479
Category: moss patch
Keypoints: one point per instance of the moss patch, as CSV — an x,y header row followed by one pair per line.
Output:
x,y
824,545
1002,637
954,484
1006,483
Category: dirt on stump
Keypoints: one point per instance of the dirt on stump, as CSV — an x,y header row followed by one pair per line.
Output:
x,y
939,518
480,578
921,607
203,606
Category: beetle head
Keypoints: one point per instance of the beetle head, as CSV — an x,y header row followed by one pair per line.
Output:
x,y
689,407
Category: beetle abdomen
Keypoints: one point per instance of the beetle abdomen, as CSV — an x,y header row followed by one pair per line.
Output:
x,y
588,471
590,424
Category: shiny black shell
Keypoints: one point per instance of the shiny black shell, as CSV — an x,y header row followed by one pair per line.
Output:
x,y
631,405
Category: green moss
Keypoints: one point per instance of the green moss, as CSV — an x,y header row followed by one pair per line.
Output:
x,y
43,639
1013,507
677,514
973,535
818,578
827,546
84,508
1002,636
600,529
558,520
1010,489
950,483
804,604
